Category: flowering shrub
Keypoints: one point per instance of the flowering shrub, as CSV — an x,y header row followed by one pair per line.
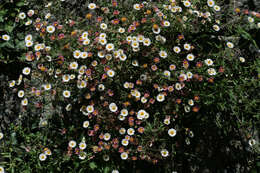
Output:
x,y
126,84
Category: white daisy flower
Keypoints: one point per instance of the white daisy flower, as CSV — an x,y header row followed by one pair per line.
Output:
x,y
167,73
82,155
22,15
124,112
137,6
21,93
210,3
84,55
187,3
73,65
85,124
26,71
124,156
216,8
6,37
212,71
113,107
187,46
124,142
110,47
160,98
121,30
230,45
176,49
2,170
86,41
82,145
11,83
92,6
131,131
111,73
1,135
172,132
190,57
208,62
122,131
135,44
90,108
107,136
66,93
216,27
77,54
72,144
164,152
42,157
250,19
103,26
50,29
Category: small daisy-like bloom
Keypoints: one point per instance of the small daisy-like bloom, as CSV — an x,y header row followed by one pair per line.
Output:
x,y
140,38
187,3
137,6
250,19
86,41
76,54
20,93
101,54
103,26
143,100
172,132
167,73
124,112
131,131
113,107
166,23
37,47
122,131
107,136
210,3
42,157
190,102
189,75
48,152
26,71
147,42
82,145
126,85
2,170
167,121
176,49
216,8
85,124
28,37
12,83
163,54
212,71
123,57
230,45
82,155
160,98
251,142
24,102
84,55
50,29
72,143
92,6
111,73
135,44
164,152
242,59
190,57
208,62
141,114
216,27
1,135
121,117
65,78
84,35
73,65
110,47
102,41
124,156
129,38
258,24
90,108
6,37
22,15
66,93
124,142
178,86
186,46
121,30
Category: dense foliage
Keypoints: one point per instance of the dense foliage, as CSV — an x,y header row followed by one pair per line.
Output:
x,y
108,86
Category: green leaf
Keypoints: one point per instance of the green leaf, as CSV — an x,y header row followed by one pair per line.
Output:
x,y
92,165
19,4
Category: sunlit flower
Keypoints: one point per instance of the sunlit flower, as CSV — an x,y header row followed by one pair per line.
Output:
x,y
137,6
22,15
208,62
210,3
66,93
1,135
124,142
250,19
42,157
103,26
167,73
216,8
85,124
73,65
230,45
190,57
12,83
107,136
6,37
164,152
92,6
48,152
187,3
113,107
163,54
216,27
130,131
160,98
124,112
211,71
50,29
76,54
121,30
72,143
111,73
82,145
172,132
90,108
110,47
176,49
124,155
242,59
2,170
